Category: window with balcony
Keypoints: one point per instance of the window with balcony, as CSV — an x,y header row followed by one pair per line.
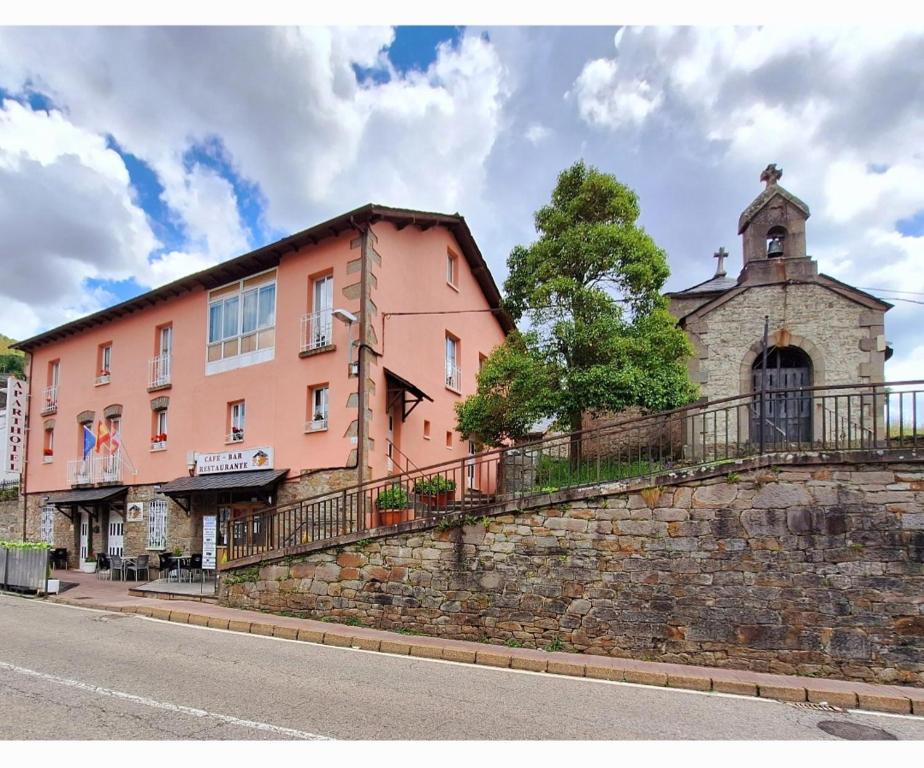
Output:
x,y
160,366
242,324
317,325
452,269
159,430
50,395
453,374
318,397
236,422
104,363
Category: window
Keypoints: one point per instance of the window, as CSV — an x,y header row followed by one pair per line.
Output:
x,y
157,524
322,303
426,430
159,430
104,363
242,323
481,361
448,438
159,374
48,450
48,523
453,375
318,397
50,400
236,421
452,269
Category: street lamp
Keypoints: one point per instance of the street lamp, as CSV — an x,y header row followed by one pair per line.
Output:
x,y
349,318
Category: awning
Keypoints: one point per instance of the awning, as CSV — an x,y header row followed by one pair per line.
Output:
x,y
67,502
254,480
402,391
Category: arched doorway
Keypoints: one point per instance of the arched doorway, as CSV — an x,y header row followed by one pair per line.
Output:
x,y
787,409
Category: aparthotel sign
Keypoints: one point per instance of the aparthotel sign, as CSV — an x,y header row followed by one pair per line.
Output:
x,y
16,423
240,460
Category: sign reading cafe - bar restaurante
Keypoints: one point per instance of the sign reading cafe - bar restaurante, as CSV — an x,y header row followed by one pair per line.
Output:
x,y
241,460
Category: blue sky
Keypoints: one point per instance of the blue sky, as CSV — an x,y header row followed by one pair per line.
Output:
x,y
113,181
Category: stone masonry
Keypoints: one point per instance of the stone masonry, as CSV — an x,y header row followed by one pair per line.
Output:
x,y
813,570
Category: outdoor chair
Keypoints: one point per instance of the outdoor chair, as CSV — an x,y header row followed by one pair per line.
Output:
x,y
140,564
59,558
164,565
103,566
115,566
195,566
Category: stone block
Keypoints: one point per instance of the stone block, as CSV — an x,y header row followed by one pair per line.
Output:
x,y
645,677
738,687
899,705
781,496
690,682
528,663
395,646
217,623
715,496
601,672
492,659
782,692
462,655
239,626
287,633
571,668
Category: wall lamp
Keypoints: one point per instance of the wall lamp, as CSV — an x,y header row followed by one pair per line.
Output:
x,y
349,318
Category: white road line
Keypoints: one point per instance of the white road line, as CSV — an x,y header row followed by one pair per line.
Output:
x,y
165,705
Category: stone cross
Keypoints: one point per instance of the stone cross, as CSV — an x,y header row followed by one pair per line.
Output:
x,y
771,174
721,255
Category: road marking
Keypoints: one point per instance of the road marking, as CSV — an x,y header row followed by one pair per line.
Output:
x,y
165,705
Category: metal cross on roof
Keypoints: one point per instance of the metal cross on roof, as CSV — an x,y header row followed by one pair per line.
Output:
x,y
771,174
721,255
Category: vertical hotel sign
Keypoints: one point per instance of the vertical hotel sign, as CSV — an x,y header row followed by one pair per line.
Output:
x,y
16,423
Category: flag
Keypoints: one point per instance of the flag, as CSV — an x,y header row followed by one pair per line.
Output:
x,y
88,441
102,437
115,440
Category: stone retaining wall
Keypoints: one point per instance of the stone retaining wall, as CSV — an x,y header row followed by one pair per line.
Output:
x,y
814,571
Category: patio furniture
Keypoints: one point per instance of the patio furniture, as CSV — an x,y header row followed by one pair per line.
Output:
x,y
195,565
165,563
59,558
140,564
103,566
116,567
182,562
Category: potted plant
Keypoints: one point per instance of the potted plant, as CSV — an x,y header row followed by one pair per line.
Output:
x,y
89,564
237,434
392,504
435,490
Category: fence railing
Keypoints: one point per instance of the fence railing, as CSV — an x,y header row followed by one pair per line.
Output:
x,y
49,400
95,469
837,418
159,371
9,490
317,330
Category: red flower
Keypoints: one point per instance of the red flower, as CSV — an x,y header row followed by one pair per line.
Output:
x,y
48,452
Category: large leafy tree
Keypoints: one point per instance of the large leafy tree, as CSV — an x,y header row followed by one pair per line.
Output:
x,y
600,337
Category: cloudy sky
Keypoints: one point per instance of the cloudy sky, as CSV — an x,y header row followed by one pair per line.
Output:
x,y
132,156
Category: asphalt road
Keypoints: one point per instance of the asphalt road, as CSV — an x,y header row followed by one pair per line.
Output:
x,y
70,673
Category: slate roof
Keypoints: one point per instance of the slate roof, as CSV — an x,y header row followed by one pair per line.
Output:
x,y
224,481
765,197
718,284
87,495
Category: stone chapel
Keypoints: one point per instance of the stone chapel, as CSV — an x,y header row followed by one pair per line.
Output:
x,y
821,331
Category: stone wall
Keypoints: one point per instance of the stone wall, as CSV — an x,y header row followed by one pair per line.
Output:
x,y
814,571
11,519
659,437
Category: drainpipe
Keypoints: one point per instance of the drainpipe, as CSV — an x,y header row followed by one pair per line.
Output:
x,y
361,356
23,476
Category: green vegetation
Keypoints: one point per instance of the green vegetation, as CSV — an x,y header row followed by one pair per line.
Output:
x,y
25,545
434,485
554,473
242,576
12,361
393,498
554,646
513,643
601,338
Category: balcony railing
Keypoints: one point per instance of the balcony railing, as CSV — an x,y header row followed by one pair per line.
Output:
x,y
316,425
50,400
862,419
95,469
317,330
159,372
453,377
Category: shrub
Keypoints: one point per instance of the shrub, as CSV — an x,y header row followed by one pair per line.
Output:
x,y
434,485
393,498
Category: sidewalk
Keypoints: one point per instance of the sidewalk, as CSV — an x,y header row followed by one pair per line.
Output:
x,y
113,596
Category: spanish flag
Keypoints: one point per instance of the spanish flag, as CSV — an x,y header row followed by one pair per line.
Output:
x,y
102,436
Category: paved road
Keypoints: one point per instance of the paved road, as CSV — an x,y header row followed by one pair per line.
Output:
x,y
69,673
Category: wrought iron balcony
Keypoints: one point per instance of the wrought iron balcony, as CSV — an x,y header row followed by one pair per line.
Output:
x,y
50,400
95,469
159,369
317,330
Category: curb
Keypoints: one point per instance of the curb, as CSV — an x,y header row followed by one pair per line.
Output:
x,y
837,693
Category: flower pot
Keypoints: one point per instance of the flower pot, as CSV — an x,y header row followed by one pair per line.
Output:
x,y
390,516
88,567
436,499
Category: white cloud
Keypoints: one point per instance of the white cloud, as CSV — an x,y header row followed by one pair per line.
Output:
x,y
536,133
606,99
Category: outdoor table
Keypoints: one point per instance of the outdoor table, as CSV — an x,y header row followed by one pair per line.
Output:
x,y
127,561
180,560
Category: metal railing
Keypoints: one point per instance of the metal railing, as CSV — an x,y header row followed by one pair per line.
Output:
x,y
317,330
95,469
159,371
50,400
9,489
837,418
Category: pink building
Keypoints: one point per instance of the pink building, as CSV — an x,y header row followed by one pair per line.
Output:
x,y
242,386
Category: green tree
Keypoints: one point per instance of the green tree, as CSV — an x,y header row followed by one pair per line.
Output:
x,y
600,337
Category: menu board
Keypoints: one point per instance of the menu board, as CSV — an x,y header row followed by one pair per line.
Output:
x,y
209,529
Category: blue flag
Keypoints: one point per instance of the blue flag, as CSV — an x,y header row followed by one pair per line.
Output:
x,y
89,440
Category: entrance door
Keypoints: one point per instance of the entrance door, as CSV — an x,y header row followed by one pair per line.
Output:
x,y
84,536
390,445
472,475
116,530
787,406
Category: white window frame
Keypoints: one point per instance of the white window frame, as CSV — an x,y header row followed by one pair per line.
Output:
x,y
238,417
157,524
452,269
230,361
320,400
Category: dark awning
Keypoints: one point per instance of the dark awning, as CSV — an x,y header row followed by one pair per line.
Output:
x,y
224,481
83,496
400,390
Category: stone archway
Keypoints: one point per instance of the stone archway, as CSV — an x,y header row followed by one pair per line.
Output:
x,y
784,414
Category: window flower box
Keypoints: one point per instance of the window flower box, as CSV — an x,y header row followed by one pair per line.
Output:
x,y
236,435
103,378
159,442
317,424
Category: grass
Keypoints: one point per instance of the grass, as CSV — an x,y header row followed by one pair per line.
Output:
x,y
554,473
